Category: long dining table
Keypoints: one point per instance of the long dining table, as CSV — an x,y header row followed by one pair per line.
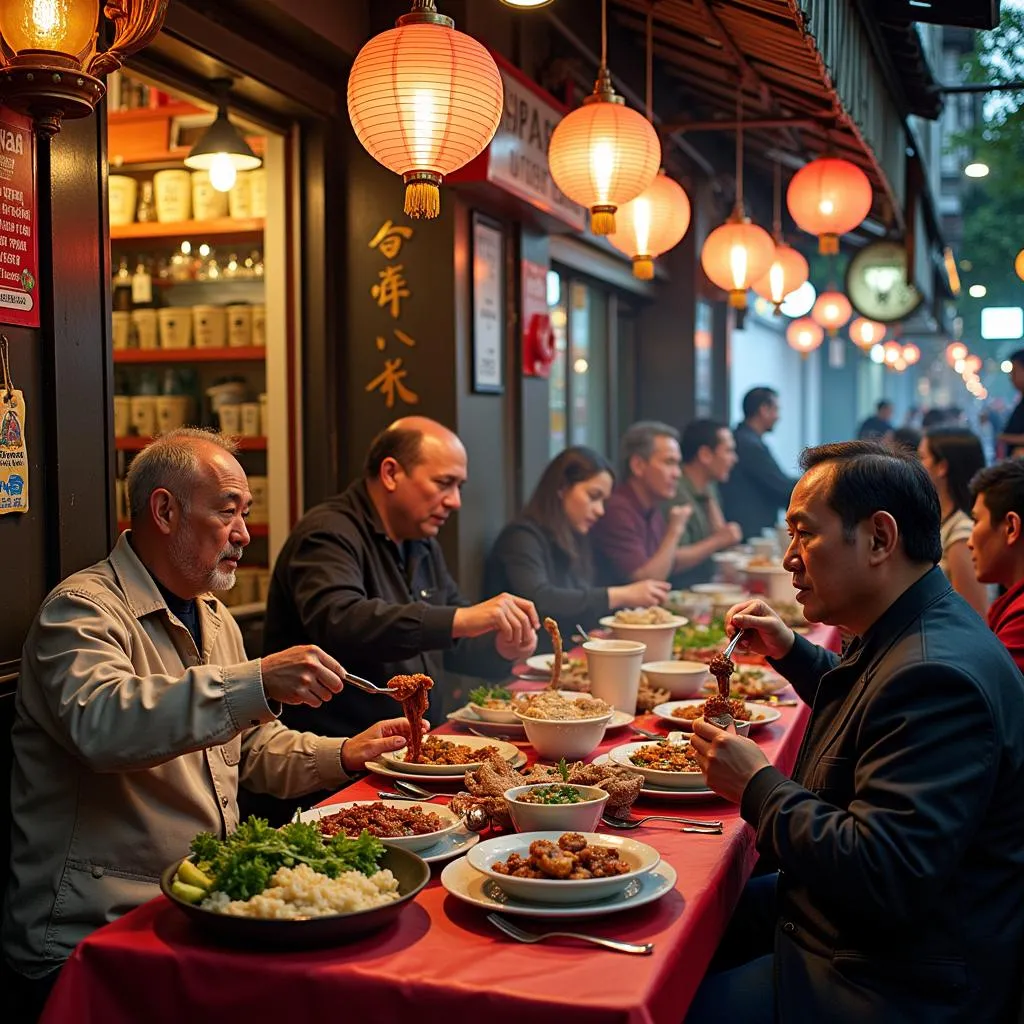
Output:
x,y
442,959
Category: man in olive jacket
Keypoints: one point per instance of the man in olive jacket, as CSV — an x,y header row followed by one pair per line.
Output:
x,y
900,837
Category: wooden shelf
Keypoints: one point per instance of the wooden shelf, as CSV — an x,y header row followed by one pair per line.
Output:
x,y
221,226
135,444
207,282
251,353
255,530
143,115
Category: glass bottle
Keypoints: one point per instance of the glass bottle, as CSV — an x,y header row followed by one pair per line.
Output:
x,y
142,285
122,297
146,209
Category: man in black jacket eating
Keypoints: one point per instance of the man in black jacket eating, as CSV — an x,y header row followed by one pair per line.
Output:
x,y
900,836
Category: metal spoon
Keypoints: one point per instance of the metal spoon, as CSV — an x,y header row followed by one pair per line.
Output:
x,y
364,684
631,823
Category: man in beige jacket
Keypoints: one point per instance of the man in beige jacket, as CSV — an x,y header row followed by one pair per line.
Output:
x,y
138,713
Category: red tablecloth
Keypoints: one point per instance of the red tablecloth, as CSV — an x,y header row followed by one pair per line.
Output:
x,y
441,960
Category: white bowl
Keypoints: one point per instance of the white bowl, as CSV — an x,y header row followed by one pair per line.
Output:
x,y
581,817
680,678
776,582
657,636
668,780
506,716
411,843
571,738
640,857
722,590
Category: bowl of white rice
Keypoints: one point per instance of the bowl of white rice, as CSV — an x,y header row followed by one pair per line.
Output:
x,y
302,907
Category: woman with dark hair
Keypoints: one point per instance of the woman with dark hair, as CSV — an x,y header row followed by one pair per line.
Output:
x,y
544,555
952,455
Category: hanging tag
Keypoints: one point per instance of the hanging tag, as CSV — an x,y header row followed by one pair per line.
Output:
x,y
13,447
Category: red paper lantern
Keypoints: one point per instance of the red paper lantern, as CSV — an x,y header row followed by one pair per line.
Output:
x,y
651,224
865,333
736,255
787,272
603,154
911,354
831,311
827,198
424,100
804,335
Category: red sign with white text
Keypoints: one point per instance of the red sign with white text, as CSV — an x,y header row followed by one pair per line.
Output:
x,y
19,238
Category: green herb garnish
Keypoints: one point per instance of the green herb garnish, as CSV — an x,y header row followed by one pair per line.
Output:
x,y
243,864
563,770
482,694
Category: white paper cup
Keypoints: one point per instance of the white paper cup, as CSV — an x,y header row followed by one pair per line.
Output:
x,y
143,413
173,193
250,419
240,196
207,202
144,324
239,326
172,412
614,670
121,193
175,326
122,415
121,328
210,326
231,418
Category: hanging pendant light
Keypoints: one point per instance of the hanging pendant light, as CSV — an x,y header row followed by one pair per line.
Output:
x,y
956,351
832,310
892,351
737,253
424,100
789,269
658,218
603,154
221,150
829,197
804,335
864,333
911,354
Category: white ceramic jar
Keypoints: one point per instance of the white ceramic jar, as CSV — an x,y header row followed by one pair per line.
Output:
x,y
144,325
240,196
207,202
121,195
239,326
209,326
173,191
175,326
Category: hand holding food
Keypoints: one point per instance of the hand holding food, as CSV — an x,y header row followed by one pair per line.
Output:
x,y
301,675
766,632
677,518
728,761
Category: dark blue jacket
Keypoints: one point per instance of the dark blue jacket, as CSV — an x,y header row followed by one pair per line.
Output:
x,y
900,837
757,489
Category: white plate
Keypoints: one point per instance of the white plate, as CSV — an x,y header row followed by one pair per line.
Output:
x,y
465,883
771,681
663,778
541,663
465,717
379,768
395,760
664,711
660,793
415,844
452,845
640,858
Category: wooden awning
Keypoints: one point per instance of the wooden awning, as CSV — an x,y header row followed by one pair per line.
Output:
x,y
809,61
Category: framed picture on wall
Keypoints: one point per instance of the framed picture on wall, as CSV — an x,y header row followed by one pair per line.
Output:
x,y
488,306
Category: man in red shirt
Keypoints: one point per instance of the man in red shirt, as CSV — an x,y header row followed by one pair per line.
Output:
x,y
997,547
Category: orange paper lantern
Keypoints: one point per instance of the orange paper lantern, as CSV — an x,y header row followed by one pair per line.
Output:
x,y
893,351
787,272
864,333
827,198
424,100
603,154
1018,264
972,364
804,335
651,224
911,354
831,311
736,255
955,351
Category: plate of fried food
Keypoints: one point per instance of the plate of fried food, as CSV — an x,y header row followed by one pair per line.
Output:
x,y
445,758
432,831
559,874
655,792
749,682
661,762
681,713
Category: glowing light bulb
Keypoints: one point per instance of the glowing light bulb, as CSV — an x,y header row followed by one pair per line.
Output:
x,y
422,127
958,366
602,162
222,172
1006,366
776,282
738,265
827,206
642,224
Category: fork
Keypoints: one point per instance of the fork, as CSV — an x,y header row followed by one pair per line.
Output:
x,y
364,684
649,735
517,933
631,823
494,735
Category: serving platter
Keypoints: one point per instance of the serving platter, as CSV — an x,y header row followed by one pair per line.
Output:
x,y
767,713
395,760
457,770
467,884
